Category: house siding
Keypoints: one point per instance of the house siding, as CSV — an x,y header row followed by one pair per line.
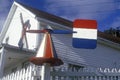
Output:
x,y
14,31
102,56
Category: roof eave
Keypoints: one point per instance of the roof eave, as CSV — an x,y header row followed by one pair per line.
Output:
x,y
7,22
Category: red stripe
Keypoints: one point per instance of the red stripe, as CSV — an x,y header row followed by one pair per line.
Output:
x,y
48,50
90,24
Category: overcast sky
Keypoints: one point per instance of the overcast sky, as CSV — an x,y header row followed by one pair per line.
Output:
x,y
106,12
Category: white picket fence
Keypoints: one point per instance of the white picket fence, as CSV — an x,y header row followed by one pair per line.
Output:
x,y
86,74
24,74
33,73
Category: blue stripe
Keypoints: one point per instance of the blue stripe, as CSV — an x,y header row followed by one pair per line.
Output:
x,y
84,43
62,32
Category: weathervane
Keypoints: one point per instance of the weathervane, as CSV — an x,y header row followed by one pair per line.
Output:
x,y
46,52
84,36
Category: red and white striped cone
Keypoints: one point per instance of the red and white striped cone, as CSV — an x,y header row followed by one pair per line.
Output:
x,y
46,53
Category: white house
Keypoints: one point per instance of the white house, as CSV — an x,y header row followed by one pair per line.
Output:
x,y
13,59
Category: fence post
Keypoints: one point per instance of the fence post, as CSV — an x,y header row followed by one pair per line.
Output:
x,y
45,72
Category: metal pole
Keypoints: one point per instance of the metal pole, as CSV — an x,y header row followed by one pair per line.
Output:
x,y
45,72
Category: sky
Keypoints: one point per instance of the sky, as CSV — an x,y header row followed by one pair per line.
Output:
x,y
105,12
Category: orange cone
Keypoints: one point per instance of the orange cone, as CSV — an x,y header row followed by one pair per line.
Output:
x,y
46,53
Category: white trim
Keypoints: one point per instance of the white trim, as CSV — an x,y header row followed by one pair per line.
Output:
x,y
7,22
9,18
109,43
24,9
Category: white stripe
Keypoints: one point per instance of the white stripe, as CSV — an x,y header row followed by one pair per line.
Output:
x,y
85,33
41,49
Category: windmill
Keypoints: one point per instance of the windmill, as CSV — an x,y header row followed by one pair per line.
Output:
x,y
84,36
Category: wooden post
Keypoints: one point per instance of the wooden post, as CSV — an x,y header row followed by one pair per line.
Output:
x,y
45,72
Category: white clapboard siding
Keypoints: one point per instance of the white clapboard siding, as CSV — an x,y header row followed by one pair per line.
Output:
x,y
102,56
13,33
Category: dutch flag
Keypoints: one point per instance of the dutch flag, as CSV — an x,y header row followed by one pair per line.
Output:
x,y
86,34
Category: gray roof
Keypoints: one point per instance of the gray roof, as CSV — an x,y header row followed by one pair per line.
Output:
x,y
48,16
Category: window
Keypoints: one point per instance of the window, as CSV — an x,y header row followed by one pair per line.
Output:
x,y
73,67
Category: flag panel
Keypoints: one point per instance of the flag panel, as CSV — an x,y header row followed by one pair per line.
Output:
x,y
86,34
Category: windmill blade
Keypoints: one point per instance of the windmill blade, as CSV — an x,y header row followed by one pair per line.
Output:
x,y
21,18
26,42
36,31
86,36
20,43
62,32
23,34
51,31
